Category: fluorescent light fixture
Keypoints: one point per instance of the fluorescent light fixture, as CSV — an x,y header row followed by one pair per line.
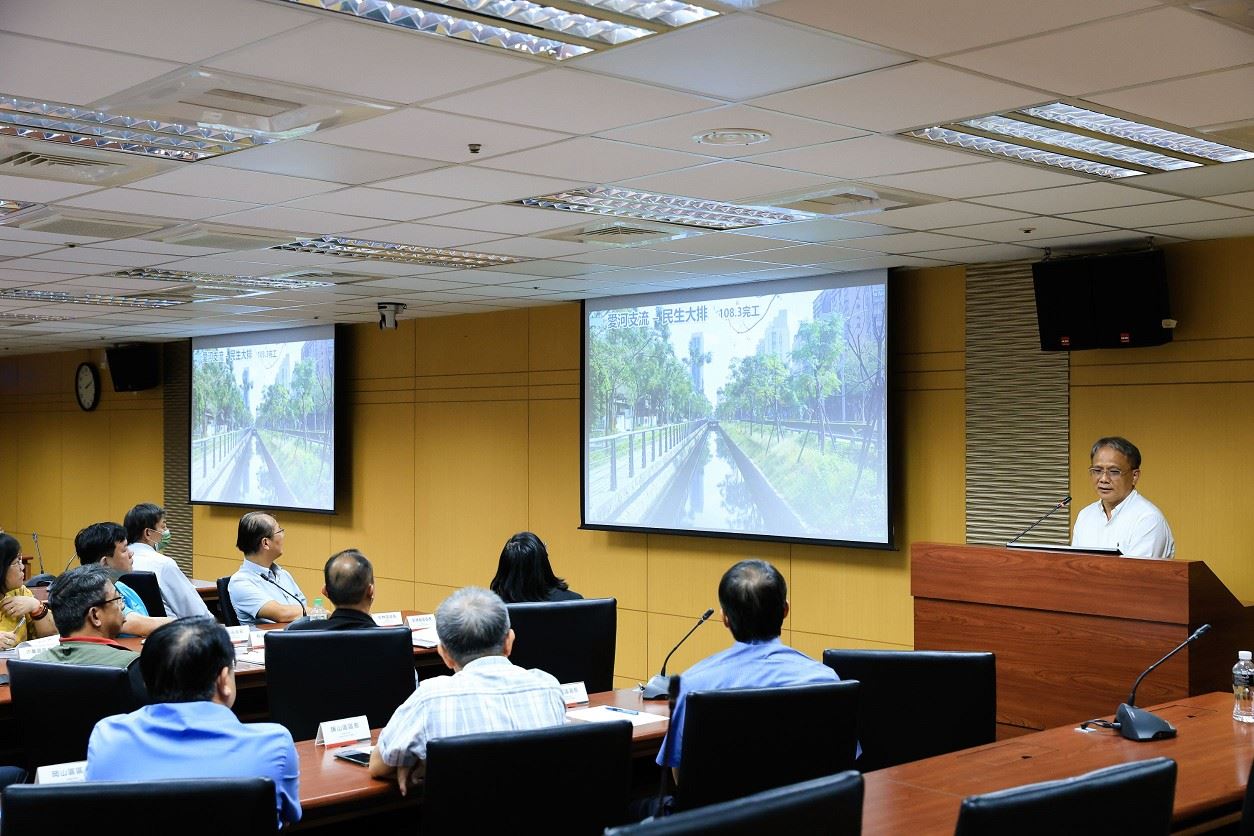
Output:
x,y
258,283
329,245
30,317
665,208
543,30
82,127
1021,153
12,207
1092,120
1076,142
61,297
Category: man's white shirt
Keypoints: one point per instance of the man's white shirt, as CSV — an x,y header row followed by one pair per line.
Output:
x,y
1136,527
177,593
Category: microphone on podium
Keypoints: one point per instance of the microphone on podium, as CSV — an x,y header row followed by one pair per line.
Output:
x,y
659,686
1063,504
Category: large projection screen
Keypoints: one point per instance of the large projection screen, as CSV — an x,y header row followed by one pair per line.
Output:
x,y
756,410
263,419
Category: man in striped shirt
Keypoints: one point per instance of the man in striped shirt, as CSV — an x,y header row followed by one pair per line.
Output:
x,y
486,692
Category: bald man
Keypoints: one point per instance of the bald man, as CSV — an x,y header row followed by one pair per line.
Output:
x,y
349,583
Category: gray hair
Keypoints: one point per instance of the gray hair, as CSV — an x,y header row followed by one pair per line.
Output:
x,y
1120,445
471,623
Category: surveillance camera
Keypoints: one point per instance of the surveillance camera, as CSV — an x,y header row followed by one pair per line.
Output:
x,y
387,314
474,147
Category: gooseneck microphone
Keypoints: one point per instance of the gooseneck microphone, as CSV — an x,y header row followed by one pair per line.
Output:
x,y
43,578
273,583
1136,723
1065,502
659,686
39,553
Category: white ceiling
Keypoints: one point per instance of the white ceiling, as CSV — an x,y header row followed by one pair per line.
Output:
x,y
833,81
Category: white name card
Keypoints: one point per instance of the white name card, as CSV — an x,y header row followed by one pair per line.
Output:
x,y
388,619
257,638
238,635
574,693
34,647
74,772
333,733
422,622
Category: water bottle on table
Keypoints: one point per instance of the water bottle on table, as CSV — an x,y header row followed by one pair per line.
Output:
x,y
1243,688
318,612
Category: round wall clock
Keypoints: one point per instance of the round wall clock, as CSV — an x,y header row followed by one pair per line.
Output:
x,y
87,386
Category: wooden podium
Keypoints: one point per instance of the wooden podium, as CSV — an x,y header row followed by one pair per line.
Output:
x,y
1073,631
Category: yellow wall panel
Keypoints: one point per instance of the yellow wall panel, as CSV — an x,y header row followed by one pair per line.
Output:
x,y
215,531
136,448
813,644
39,463
85,461
684,571
475,344
372,353
12,486
427,596
391,595
554,338
631,647
666,630
209,568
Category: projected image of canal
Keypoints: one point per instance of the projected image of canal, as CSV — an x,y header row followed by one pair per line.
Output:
x,y
263,422
747,414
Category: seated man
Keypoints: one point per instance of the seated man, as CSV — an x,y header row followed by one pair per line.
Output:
x,y
261,591
189,730
349,583
87,610
754,600
148,534
486,693
1121,518
105,544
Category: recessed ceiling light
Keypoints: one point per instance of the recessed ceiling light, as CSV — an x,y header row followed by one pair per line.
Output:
x,y
405,253
28,317
261,283
1074,142
1145,134
1022,153
12,207
61,297
667,208
732,136
546,31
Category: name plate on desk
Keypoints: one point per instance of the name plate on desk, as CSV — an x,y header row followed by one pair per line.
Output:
x,y
574,693
34,647
422,622
388,619
257,639
74,772
333,733
238,635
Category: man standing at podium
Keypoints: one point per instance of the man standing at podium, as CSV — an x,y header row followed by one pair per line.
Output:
x,y
1121,518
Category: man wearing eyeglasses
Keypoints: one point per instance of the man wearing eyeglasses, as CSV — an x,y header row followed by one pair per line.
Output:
x,y
1121,518
261,590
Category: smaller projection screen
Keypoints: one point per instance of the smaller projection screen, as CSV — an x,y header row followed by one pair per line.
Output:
x,y
263,419
753,411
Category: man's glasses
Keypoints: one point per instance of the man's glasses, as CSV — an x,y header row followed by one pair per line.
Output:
x,y
107,601
1112,472
276,533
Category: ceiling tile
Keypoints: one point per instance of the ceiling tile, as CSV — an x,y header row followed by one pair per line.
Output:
x,y
727,180
985,253
1203,182
12,249
439,136
1159,214
963,25
1209,99
300,221
1245,199
592,160
950,213
319,161
477,183
817,232
1011,232
545,268
40,69
38,191
380,203
421,235
1231,228
902,97
981,179
572,101
413,283
868,156
101,255
1074,198
709,58
786,131
604,256
907,242
1100,241
1155,45
156,203
713,243
206,180
515,220
532,247
371,61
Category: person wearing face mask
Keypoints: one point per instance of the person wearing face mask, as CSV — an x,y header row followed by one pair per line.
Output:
x,y
149,534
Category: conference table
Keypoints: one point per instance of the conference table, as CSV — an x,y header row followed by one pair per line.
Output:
x,y
1213,754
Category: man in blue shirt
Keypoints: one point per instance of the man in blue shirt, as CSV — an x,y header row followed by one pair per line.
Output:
x,y
754,600
262,591
105,544
189,731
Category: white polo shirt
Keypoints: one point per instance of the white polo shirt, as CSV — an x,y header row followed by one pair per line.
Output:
x,y
177,593
1136,527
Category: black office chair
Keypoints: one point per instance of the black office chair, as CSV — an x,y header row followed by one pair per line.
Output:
x,y
572,640
187,807
572,779
146,587
71,698
830,806
895,725
1130,798
319,675
1247,809
740,742
225,608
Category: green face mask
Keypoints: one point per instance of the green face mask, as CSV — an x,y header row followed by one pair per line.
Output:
x,y
166,536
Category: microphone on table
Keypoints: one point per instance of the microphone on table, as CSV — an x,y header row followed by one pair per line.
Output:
x,y
43,578
1136,723
268,580
659,686
1065,502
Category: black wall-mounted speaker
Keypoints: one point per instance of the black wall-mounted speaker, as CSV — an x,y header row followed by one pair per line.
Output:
x,y
1109,301
134,367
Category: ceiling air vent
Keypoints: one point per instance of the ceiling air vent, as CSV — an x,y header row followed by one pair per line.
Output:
x,y
622,234
218,238
838,200
83,225
73,164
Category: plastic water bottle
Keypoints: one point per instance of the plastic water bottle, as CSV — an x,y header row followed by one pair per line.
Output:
x,y
318,612
1243,688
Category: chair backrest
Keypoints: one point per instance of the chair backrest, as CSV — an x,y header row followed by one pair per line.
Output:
x,y
1130,798
225,608
1247,809
960,710
186,807
371,673
743,741
830,806
572,779
70,698
146,587
572,640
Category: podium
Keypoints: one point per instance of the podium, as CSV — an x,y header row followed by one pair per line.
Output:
x,y
1072,631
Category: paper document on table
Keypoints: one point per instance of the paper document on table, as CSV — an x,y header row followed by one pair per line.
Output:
x,y
425,637
613,714
253,657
